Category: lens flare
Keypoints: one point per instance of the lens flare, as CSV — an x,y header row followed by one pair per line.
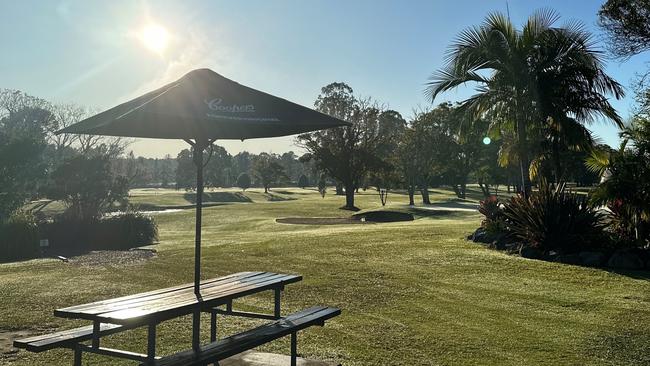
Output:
x,y
155,38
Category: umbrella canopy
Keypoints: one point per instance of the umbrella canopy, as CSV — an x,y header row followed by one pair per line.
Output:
x,y
200,108
207,106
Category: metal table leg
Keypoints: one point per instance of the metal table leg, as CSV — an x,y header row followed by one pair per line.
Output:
x,y
77,356
151,344
213,325
196,329
278,298
294,348
96,329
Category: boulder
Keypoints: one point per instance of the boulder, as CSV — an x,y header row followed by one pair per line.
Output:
x,y
592,259
530,252
626,259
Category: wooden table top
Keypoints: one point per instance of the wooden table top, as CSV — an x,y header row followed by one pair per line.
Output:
x,y
172,302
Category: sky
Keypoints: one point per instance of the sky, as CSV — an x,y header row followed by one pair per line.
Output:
x,y
102,53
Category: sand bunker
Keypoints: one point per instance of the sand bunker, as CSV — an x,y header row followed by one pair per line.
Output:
x,y
361,218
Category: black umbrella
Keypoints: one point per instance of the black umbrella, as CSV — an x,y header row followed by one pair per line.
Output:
x,y
200,108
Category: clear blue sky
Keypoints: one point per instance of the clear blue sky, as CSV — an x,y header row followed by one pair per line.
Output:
x,y
90,52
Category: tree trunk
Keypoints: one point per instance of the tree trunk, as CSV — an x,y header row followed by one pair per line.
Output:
x,y
411,191
524,163
266,189
349,196
557,163
339,189
425,195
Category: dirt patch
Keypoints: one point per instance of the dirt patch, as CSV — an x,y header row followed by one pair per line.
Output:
x,y
113,257
7,338
320,221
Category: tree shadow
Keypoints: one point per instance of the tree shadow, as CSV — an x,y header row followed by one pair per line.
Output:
x,y
638,275
218,197
271,196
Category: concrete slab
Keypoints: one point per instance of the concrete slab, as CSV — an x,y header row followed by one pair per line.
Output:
x,y
252,358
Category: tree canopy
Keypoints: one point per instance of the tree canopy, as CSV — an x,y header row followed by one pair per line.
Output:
x,y
626,24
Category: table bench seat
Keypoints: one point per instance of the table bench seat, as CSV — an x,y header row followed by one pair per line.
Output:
x,y
241,342
64,339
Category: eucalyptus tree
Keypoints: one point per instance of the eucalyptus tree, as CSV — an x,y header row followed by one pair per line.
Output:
x,y
525,79
348,153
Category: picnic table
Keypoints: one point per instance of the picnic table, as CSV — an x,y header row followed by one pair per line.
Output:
x,y
148,309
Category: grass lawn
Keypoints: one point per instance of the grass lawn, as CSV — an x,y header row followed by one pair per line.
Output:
x,y
412,293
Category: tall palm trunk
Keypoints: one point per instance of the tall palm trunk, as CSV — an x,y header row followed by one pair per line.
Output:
x,y
524,162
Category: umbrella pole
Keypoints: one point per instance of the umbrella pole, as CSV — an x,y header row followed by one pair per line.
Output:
x,y
198,160
196,316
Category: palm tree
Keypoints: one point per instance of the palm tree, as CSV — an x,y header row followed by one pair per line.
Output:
x,y
528,78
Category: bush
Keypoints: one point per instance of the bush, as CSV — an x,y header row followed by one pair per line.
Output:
x,y
125,231
492,209
19,238
120,232
552,219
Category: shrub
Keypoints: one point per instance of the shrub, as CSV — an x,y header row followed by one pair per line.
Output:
x,y
553,219
125,231
19,237
87,186
492,209
119,232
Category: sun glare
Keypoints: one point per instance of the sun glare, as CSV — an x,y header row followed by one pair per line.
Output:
x,y
155,38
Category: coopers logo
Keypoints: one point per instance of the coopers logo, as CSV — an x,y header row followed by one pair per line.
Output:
x,y
216,105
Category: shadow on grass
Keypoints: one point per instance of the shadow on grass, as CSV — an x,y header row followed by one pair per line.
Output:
x,y
639,275
271,196
218,197
446,214
284,192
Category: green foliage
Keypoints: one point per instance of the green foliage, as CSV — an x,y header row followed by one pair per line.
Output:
x,y
119,232
244,181
87,186
19,237
553,219
303,181
23,122
529,79
216,170
268,171
626,187
626,24
348,154
492,209
185,170
125,231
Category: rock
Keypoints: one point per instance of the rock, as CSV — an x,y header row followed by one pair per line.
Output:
x,y
551,256
530,252
626,259
482,236
573,259
592,259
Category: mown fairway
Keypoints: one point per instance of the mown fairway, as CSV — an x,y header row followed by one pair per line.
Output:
x,y
413,293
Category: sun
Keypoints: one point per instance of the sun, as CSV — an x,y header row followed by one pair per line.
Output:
x,y
155,38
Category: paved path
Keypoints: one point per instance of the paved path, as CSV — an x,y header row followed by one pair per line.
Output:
x,y
268,359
